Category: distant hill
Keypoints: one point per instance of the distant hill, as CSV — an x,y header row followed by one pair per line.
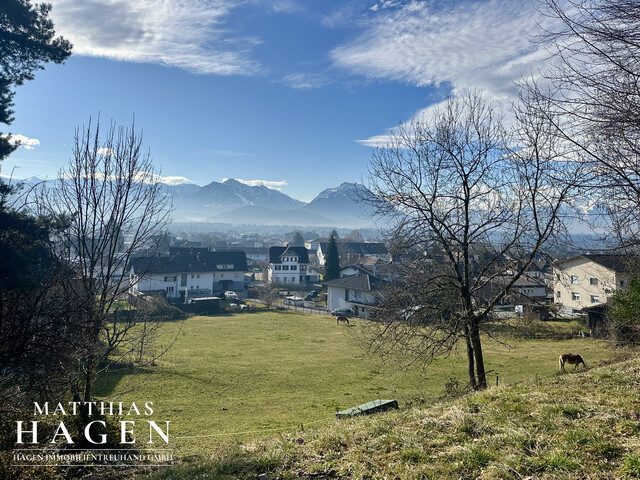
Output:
x,y
235,194
251,214
348,201
232,201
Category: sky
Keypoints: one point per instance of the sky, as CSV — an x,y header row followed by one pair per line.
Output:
x,y
292,94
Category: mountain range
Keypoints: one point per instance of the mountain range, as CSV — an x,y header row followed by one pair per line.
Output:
x,y
232,201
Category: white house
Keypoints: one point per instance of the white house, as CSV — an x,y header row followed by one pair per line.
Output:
x,y
351,251
590,280
290,266
198,270
353,292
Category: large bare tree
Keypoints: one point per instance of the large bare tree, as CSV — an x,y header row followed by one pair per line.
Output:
x,y
592,93
472,205
117,209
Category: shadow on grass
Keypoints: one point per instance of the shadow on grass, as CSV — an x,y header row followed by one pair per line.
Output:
x,y
108,381
232,464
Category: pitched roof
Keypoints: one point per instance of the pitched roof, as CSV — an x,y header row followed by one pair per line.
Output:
x,y
358,248
195,261
365,283
276,252
617,263
361,269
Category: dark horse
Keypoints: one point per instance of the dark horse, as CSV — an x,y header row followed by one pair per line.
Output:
x,y
342,318
571,359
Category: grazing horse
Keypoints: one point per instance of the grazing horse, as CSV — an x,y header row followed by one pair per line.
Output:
x,y
342,318
571,359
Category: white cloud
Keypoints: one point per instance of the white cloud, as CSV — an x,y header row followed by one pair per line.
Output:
x,y
25,142
175,180
188,34
105,151
275,185
472,44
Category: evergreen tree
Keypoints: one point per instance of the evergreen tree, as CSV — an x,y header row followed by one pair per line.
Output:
x,y
332,259
298,240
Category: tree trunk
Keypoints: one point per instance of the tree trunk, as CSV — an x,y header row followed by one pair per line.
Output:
x,y
477,351
89,378
470,359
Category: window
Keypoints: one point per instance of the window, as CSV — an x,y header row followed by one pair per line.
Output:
x,y
595,299
575,296
346,295
197,276
303,268
192,276
593,281
278,267
170,278
294,267
285,267
558,277
574,279
622,283
558,294
169,289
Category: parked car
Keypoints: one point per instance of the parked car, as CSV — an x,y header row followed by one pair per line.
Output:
x,y
231,294
311,295
342,312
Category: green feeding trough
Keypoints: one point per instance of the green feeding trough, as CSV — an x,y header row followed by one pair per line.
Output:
x,y
376,406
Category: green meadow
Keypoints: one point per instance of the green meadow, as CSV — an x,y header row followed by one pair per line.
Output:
x,y
248,376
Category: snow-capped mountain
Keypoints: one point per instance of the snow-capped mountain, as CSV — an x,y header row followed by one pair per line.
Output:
x,y
232,193
349,200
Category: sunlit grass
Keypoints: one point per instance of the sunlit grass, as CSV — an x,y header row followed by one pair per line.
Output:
x,y
248,376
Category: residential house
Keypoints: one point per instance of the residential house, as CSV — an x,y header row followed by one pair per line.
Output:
x,y
589,280
290,266
352,251
354,292
198,270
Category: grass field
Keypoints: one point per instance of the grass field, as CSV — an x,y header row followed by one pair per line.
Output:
x,y
247,376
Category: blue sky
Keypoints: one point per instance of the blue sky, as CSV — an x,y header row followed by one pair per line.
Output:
x,y
289,93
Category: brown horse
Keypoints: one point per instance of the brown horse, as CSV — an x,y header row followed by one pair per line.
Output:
x,y
571,359
342,318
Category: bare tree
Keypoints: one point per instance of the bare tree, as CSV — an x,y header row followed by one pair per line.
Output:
x,y
471,209
592,92
117,209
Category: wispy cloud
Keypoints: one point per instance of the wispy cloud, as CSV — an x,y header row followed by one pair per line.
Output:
x,y
189,34
472,44
25,142
230,153
275,185
306,81
469,44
